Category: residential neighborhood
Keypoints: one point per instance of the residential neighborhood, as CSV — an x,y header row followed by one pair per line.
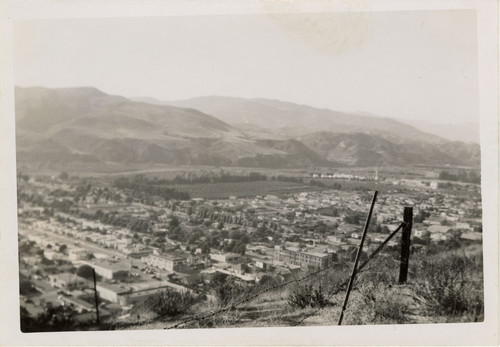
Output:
x,y
136,246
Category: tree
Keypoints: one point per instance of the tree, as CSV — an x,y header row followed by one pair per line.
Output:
x,y
421,216
53,318
26,287
267,281
85,271
205,248
218,280
174,222
446,222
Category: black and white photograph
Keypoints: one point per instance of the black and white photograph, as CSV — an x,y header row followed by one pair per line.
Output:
x,y
260,165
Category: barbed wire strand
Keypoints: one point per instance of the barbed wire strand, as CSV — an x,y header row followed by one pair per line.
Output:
x,y
284,284
359,270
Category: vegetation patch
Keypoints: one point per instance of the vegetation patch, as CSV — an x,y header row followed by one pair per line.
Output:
x,y
452,286
169,303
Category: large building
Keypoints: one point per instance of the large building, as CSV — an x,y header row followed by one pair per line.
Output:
x,y
167,262
110,269
306,260
127,294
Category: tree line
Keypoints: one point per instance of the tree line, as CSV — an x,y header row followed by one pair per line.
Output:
x,y
141,184
461,176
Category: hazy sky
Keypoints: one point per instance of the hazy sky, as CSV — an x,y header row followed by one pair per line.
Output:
x,y
414,65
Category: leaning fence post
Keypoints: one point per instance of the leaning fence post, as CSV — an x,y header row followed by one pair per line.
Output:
x,y
405,244
358,255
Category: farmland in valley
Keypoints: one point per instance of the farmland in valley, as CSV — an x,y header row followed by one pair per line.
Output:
x,y
240,189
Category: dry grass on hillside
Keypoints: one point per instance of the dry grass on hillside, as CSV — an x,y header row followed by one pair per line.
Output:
x,y
444,286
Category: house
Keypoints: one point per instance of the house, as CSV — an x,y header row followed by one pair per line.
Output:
x,y
67,280
224,257
336,238
440,237
421,233
238,268
241,277
79,304
462,225
472,236
438,229
434,185
31,259
78,254
53,255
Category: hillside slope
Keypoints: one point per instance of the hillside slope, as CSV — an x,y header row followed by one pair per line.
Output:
x,y
301,119
78,124
85,125
368,150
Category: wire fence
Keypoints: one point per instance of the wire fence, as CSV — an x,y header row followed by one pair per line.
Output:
x,y
251,296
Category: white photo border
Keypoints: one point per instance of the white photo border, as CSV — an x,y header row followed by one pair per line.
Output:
x,y
483,333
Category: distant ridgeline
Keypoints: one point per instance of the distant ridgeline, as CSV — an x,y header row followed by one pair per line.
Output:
x,y
56,127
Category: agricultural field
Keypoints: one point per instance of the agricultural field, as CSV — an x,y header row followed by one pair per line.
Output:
x,y
241,189
355,185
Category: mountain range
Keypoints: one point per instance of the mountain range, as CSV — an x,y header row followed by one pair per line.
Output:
x,y
86,125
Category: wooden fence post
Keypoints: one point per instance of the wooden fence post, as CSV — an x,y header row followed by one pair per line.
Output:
x,y
405,244
95,297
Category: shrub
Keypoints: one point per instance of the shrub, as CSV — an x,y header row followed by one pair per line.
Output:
x,y
171,302
391,310
306,295
53,318
381,304
451,285
229,292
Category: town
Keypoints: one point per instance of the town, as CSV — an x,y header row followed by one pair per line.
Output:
x,y
140,236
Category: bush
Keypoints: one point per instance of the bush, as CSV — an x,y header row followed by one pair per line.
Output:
x,y
229,292
304,296
53,318
451,285
380,304
171,302
390,310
